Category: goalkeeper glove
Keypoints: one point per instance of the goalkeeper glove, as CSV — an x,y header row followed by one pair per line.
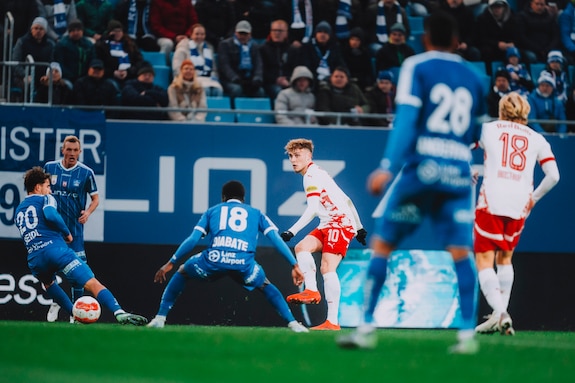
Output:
x,y
361,235
286,236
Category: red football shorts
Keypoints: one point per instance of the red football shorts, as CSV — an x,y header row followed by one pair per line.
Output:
x,y
494,232
335,240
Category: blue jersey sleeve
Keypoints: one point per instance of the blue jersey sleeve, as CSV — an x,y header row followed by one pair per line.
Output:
x,y
401,139
51,214
187,246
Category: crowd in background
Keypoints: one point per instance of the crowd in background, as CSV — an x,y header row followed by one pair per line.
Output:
x,y
304,55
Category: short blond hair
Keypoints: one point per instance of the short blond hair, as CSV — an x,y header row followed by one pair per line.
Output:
x,y
72,139
299,143
514,107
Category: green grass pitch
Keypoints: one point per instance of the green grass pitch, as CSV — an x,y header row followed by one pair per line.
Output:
x,y
109,353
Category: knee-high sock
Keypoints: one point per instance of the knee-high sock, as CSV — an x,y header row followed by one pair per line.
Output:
x,y
332,291
275,297
491,290
467,284
108,300
59,296
376,274
308,268
506,275
171,293
77,292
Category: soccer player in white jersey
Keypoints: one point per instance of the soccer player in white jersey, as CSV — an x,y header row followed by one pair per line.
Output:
x,y
231,229
71,183
339,223
505,199
439,104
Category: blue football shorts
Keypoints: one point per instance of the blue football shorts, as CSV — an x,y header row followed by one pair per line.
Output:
x,y
45,263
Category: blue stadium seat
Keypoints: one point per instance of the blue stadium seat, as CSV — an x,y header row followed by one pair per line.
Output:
x,y
415,23
155,58
535,70
495,65
415,41
254,103
163,76
222,103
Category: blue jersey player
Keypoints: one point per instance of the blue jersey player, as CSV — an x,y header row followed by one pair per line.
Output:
x,y
46,236
231,229
71,183
439,105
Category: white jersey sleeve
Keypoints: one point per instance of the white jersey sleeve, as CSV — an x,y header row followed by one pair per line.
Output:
x,y
511,152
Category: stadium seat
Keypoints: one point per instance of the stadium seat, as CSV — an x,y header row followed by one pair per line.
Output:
x,y
535,70
415,24
222,103
155,58
479,66
415,41
495,65
162,76
395,71
251,103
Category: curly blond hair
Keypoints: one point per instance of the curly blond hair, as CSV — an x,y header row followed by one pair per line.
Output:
x,y
514,107
299,143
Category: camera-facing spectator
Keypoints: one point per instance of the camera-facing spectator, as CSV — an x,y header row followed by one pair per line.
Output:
x,y
95,89
143,92
61,92
74,52
187,93
381,99
296,98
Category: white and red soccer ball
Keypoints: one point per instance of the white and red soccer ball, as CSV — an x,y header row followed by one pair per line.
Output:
x,y
86,310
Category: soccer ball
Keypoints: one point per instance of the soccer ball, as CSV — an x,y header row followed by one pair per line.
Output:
x,y
86,310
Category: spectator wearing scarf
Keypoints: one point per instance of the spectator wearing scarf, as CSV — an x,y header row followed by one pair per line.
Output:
x,y
201,53
135,14
381,17
58,13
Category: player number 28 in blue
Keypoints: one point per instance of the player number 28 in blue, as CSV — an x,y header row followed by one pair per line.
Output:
x,y
453,112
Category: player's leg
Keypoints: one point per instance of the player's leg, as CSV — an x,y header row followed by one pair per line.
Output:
x,y
77,292
59,296
303,251
275,297
489,285
505,274
332,290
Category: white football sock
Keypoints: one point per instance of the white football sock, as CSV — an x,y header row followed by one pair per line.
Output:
x,y
332,291
490,287
506,275
308,268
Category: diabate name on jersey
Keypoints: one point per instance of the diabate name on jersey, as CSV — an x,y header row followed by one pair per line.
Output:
x,y
230,242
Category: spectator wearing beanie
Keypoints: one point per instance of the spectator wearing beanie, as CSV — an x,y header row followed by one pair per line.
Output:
x,y
144,93
546,106
394,52
357,59
74,52
500,88
381,99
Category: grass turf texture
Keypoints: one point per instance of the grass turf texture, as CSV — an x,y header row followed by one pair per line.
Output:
x,y
59,352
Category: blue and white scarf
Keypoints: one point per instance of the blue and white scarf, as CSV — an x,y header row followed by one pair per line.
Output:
x,y
297,19
133,19
60,23
381,24
246,65
341,21
204,61
322,71
117,50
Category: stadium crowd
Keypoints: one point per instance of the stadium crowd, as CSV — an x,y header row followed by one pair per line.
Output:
x,y
353,50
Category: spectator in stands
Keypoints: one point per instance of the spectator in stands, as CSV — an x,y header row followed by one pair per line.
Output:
x,y
95,14
23,12
278,57
218,18
322,54
74,52
497,29
500,88
95,89
240,64
381,16
36,44
546,106
537,31
201,53
520,78
297,98
171,21
340,95
394,51
58,13
121,56
144,93
187,93
135,14
381,99
260,14
61,92
556,68
467,28
567,31
357,59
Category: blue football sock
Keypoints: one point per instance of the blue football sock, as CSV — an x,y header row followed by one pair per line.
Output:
x,y
59,296
275,297
107,299
171,293
467,284
77,293
376,274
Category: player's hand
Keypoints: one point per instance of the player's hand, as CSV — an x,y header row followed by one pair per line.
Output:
x,y
377,181
68,238
286,236
160,276
297,275
83,217
361,236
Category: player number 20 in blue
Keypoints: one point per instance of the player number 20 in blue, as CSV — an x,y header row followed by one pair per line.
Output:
x,y
235,218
